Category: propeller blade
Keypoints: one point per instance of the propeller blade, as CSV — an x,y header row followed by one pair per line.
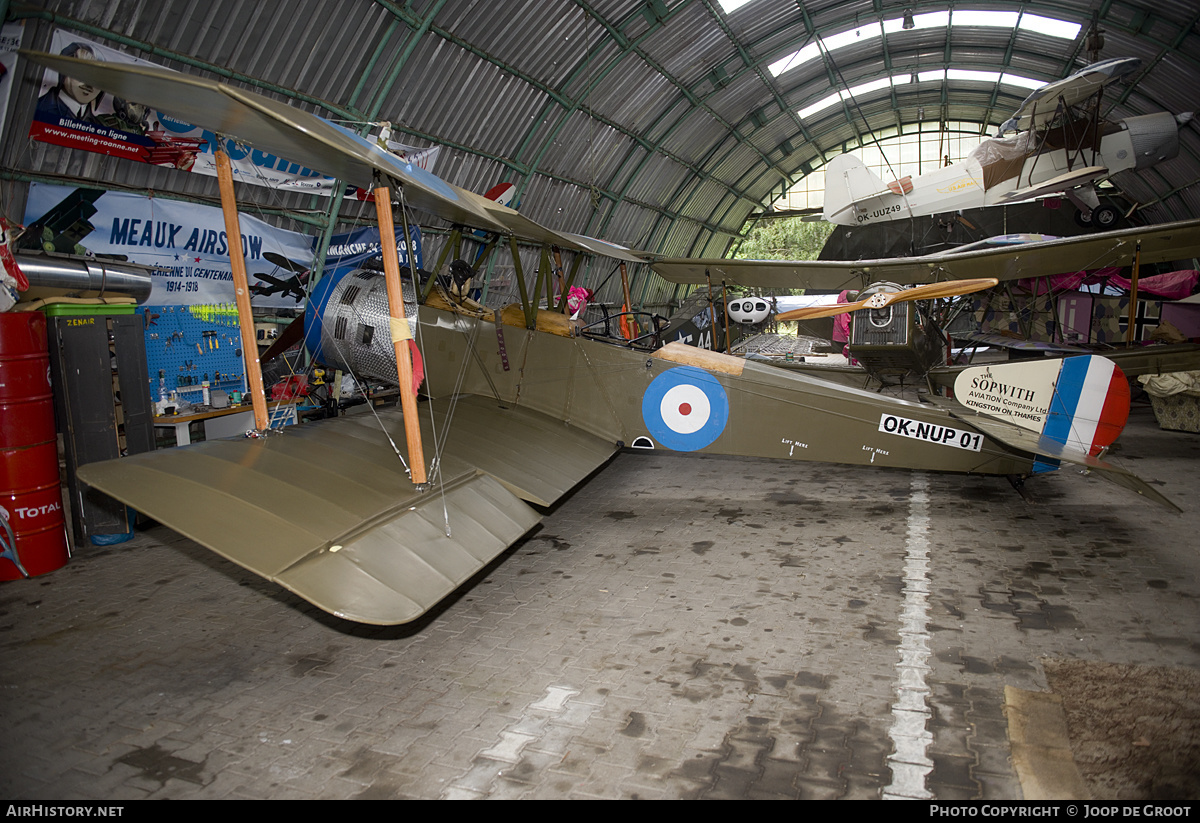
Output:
x,y
879,300
949,288
292,335
813,312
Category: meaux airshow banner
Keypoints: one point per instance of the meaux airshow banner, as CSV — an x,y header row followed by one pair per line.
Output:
x,y
186,239
75,115
189,242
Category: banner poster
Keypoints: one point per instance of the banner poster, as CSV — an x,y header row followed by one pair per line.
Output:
x,y
351,250
75,115
10,41
187,240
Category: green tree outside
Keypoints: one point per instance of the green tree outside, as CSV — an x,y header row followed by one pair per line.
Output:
x,y
788,238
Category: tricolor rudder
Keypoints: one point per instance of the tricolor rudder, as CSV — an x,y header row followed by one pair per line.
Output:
x,y
1090,404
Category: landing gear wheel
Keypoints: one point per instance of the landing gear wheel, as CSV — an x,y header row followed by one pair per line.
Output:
x,y
1083,222
1105,217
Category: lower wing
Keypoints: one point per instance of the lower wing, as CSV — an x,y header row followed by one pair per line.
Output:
x,y
327,510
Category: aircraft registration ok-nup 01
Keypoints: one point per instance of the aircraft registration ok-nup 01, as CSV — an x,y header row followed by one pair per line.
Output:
x,y
1061,145
517,411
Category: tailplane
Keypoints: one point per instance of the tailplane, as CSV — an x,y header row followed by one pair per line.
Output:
x,y
848,181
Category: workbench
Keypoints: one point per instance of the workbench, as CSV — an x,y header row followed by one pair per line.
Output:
x,y
228,422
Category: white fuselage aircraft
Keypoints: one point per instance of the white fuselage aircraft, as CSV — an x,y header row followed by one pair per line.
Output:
x,y
1055,149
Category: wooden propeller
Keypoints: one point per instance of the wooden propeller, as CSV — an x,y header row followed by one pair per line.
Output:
x,y
880,300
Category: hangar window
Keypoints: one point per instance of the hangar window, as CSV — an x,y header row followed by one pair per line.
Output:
x,y
942,75
861,35
919,148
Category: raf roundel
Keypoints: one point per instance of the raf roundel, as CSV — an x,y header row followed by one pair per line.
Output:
x,y
685,409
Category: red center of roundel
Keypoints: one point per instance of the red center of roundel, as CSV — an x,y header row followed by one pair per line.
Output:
x,y
685,408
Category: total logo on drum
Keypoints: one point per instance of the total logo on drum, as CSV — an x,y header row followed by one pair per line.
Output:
x,y
685,409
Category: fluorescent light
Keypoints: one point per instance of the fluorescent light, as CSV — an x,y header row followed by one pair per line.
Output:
x,y
855,91
794,59
992,19
1018,80
969,74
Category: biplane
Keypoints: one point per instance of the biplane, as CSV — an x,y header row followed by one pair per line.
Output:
x,y
516,410
1056,143
906,340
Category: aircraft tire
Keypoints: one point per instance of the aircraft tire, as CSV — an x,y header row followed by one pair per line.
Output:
x,y
1105,217
1081,221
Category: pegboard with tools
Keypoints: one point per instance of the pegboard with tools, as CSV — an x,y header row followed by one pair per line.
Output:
x,y
188,345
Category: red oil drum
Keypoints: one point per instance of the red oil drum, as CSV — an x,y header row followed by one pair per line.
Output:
x,y
30,497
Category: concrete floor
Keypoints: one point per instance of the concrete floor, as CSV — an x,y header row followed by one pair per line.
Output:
x,y
679,627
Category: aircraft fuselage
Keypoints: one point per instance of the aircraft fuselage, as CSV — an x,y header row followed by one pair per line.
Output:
x,y
1004,170
689,400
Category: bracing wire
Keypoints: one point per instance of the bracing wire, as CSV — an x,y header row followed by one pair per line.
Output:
x,y
358,385
435,474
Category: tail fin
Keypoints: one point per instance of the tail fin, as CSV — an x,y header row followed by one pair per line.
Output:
x,y
1070,409
1090,404
502,193
1080,403
848,181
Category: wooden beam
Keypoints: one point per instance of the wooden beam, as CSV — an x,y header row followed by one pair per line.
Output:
x,y
1131,328
401,333
241,288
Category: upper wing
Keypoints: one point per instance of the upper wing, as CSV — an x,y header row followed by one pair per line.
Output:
x,y
1169,241
327,510
303,137
268,125
1073,89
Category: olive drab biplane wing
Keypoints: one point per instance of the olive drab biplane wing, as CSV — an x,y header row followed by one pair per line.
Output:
x,y
313,141
327,509
910,345
1158,244
1055,143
